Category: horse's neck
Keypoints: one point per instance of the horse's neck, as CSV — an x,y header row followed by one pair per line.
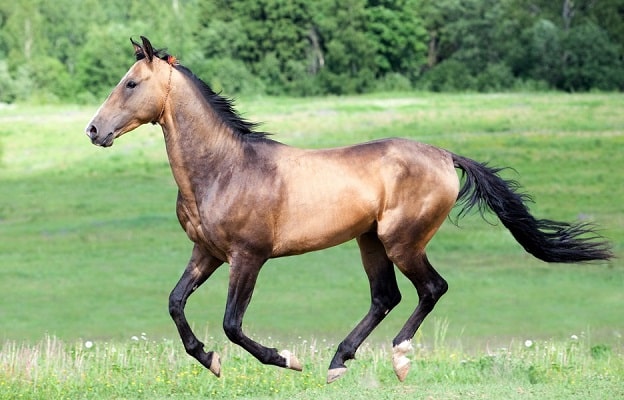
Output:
x,y
199,146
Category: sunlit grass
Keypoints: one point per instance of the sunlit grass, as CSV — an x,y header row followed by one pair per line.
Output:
x,y
141,367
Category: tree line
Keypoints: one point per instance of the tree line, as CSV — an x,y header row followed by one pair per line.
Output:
x,y
76,50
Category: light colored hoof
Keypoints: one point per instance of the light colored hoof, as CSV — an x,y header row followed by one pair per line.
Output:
x,y
400,362
291,361
335,374
215,365
401,368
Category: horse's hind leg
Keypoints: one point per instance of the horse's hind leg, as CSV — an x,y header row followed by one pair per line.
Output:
x,y
430,287
385,296
199,268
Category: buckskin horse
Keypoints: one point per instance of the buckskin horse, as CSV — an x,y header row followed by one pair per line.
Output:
x,y
244,198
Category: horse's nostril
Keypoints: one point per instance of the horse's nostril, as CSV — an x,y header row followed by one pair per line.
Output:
x,y
92,130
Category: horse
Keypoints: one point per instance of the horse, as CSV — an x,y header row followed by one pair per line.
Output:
x,y
244,198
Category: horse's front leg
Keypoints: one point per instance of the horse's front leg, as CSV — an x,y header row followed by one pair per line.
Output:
x,y
199,268
243,275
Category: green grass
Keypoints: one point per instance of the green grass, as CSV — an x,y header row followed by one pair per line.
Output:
x,y
90,246
141,368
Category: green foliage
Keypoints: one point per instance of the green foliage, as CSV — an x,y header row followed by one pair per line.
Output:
x,y
50,76
7,86
230,76
450,75
600,351
506,41
544,51
495,78
591,60
393,82
301,48
398,30
350,53
104,59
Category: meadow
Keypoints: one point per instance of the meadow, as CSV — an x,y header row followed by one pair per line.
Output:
x,y
90,248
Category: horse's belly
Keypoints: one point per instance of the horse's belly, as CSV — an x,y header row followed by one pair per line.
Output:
x,y
314,229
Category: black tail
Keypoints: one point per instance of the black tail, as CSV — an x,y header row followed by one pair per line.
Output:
x,y
547,240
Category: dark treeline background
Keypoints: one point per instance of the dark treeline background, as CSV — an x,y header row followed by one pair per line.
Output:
x,y
77,50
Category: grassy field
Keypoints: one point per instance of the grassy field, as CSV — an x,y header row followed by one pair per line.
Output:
x,y
142,368
90,249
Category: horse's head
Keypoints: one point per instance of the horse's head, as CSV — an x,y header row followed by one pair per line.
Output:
x,y
137,99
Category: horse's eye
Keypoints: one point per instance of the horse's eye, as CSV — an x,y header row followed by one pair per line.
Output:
x,y
131,84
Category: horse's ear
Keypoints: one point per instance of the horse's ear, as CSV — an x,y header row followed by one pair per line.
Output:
x,y
147,48
138,50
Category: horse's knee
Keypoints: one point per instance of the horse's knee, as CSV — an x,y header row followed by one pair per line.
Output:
x,y
385,304
393,301
431,292
232,330
175,306
440,288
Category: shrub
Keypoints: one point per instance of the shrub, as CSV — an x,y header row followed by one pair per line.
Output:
x,y
448,76
544,52
393,82
227,75
591,60
495,78
7,89
51,79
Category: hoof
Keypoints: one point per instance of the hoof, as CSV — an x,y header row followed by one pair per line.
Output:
x,y
291,361
215,365
400,362
335,374
402,368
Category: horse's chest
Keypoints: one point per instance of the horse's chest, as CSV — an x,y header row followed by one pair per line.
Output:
x,y
225,231
201,230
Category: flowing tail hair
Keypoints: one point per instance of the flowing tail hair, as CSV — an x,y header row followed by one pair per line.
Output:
x,y
548,240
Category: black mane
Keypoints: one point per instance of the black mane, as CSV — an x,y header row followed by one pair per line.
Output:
x,y
223,106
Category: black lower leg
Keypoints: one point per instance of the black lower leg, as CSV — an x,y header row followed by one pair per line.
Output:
x,y
269,356
385,296
198,270
243,275
430,287
348,347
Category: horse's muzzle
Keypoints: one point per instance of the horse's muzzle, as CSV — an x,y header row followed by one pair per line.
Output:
x,y
99,139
